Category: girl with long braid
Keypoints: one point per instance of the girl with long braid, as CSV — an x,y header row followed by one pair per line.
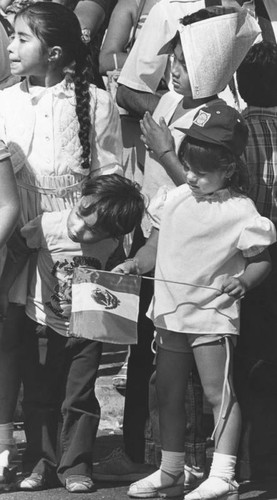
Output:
x,y
59,129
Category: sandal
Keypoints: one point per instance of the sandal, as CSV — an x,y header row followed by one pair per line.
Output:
x,y
146,489
215,488
79,484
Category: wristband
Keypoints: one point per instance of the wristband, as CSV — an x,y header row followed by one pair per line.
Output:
x,y
164,152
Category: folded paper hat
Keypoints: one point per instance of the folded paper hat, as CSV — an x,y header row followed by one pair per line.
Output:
x,y
219,124
214,48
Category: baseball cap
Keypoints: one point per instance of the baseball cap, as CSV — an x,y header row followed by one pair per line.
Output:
x,y
219,124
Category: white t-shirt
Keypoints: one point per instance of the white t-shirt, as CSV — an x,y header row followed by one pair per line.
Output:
x,y
203,239
144,68
49,296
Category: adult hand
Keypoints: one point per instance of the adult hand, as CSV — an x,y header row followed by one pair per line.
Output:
x,y
156,136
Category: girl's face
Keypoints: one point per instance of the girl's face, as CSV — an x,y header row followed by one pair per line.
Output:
x,y
180,78
203,181
80,228
27,55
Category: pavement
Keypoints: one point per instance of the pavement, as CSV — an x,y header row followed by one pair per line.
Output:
x,y
110,437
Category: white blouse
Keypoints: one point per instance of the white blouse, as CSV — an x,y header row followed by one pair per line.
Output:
x,y
202,240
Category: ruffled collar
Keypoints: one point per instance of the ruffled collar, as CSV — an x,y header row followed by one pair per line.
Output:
x,y
218,196
62,88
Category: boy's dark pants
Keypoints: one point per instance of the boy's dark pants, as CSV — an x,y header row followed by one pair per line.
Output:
x,y
62,386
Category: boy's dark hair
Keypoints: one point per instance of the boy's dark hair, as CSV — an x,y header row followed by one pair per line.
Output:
x,y
201,15
214,157
257,75
207,13
117,201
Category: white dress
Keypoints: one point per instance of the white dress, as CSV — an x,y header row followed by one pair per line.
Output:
x,y
40,127
203,239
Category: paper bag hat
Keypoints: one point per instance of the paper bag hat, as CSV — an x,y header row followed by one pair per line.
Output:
x,y
214,48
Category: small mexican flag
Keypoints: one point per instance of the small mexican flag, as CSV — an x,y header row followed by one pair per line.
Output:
x,y
104,306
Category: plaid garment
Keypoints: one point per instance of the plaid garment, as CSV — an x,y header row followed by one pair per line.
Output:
x,y
261,159
4,152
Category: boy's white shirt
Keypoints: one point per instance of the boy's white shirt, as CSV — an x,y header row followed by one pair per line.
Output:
x,y
49,297
143,68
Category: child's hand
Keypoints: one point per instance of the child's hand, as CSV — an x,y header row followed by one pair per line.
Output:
x,y
130,266
234,287
156,137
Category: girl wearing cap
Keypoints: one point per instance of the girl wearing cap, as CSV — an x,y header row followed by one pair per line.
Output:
x,y
208,246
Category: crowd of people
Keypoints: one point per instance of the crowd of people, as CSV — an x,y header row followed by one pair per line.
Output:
x,y
137,137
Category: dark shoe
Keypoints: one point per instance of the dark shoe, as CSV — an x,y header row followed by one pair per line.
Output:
x,y
34,482
7,478
79,484
118,467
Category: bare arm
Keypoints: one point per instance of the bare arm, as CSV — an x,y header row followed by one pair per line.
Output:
x,y
118,33
91,16
256,271
145,258
9,201
136,102
158,138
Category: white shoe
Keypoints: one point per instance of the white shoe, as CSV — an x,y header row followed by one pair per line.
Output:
x,y
215,488
145,488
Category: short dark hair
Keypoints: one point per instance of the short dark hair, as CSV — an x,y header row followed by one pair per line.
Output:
x,y
201,15
257,75
214,157
116,200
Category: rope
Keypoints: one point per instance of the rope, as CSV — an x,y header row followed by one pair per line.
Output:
x,y
178,283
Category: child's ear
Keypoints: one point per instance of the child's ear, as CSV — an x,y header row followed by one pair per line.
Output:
x,y
55,53
230,170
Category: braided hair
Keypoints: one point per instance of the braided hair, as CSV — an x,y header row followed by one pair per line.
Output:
x,y
56,25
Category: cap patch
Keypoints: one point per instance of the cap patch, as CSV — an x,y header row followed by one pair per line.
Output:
x,y
202,118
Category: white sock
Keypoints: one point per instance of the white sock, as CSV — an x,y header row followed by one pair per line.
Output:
x,y
223,466
172,462
6,434
4,458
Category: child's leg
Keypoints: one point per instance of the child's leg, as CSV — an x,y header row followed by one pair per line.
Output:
x,y
9,380
212,361
172,374
41,402
80,411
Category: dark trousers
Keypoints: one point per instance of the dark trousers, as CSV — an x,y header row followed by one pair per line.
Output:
x,y
62,387
140,368
255,373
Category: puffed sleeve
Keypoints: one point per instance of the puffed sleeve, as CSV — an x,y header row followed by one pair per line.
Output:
x,y
256,236
107,147
156,206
